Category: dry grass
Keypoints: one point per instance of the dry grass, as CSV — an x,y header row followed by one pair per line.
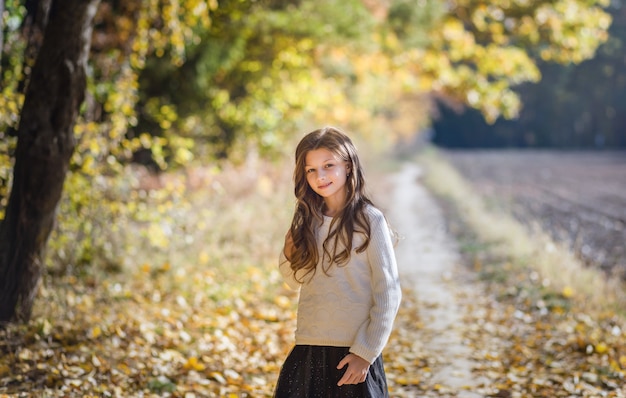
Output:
x,y
557,268
196,303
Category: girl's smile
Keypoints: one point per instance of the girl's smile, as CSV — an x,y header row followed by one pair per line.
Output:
x,y
324,185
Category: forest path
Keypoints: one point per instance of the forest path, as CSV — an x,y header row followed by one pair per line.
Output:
x,y
430,266
501,330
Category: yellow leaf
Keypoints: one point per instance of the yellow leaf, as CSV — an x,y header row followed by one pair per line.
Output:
x,y
405,381
614,365
266,315
5,370
568,292
95,332
282,301
125,369
193,364
601,348
218,377
203,258
46,327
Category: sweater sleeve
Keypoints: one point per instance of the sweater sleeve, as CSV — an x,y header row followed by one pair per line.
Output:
x,y
373,334
285,269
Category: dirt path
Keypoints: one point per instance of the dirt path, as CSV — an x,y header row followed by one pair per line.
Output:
x,y
429,264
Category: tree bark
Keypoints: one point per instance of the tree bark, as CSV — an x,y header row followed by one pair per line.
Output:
x,y
45,145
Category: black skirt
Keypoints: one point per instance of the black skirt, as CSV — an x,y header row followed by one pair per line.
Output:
x,y
311,372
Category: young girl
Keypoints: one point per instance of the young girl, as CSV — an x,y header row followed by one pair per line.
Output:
x,y
339,253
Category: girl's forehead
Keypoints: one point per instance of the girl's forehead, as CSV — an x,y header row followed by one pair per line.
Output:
x,y
320,155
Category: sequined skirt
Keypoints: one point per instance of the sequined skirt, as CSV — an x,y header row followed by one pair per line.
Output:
x,y
311,372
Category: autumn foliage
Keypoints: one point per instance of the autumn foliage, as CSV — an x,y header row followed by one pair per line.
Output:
x,y
160,277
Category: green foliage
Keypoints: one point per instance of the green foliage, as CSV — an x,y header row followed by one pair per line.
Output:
x,y
242,86
176,80
586,104
96,193
412,20
325,21
481,49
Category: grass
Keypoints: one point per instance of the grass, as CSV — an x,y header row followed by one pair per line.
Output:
x,y
496,233
196,304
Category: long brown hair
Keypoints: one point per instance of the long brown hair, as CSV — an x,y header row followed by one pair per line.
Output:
x,y
309,207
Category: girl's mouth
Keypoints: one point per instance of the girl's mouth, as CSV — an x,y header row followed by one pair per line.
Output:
x,y
324,186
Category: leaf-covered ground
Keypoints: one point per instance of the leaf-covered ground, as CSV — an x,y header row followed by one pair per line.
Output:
x,y
209,317
532,333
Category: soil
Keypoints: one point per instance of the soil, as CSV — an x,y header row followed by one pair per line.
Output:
x,y
578,197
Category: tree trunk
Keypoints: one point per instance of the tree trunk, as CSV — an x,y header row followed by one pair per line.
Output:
x,y
45,145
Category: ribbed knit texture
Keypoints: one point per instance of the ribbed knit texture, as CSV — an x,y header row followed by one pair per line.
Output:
x,y
356,303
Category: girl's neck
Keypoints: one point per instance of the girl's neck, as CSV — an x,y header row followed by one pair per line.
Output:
x,y
331,210
329,213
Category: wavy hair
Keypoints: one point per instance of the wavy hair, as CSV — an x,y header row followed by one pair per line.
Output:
x,y
310,206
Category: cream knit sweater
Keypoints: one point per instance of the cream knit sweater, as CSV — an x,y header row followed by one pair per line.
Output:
x,y
355,304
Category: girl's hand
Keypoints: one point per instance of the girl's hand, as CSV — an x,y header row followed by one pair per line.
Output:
x,y
357,369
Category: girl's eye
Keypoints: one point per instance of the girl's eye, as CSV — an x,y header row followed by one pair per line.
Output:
x,y
329,165
309,171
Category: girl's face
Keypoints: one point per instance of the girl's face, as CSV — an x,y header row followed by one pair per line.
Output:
x,y
326,174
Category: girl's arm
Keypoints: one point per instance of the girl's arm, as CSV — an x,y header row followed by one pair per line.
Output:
x,y
372,336
284,264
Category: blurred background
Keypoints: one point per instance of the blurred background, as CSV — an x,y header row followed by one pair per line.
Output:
x,y
574,105
186,137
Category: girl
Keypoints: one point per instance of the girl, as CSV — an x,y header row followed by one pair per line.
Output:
x,y
339,254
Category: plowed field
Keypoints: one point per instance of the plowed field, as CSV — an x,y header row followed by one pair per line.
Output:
x,y
578,197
